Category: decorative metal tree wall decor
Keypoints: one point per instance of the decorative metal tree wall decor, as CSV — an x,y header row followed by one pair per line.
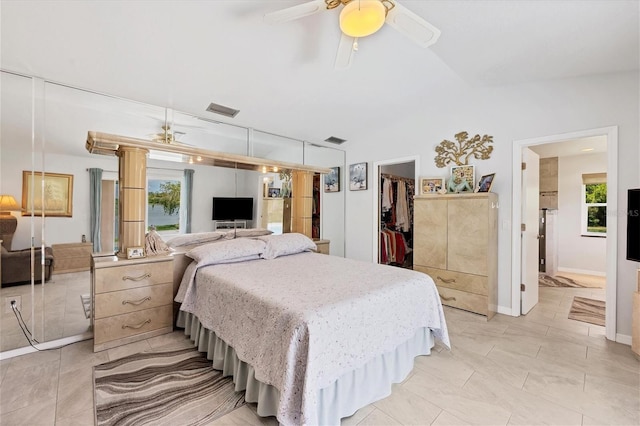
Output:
x,y
465,148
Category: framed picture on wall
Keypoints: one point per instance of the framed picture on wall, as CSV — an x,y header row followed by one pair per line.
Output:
x,y
358,177
429,185
332,180
58,194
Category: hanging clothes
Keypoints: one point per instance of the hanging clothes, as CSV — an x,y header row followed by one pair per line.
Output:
x,y
402,208
396,221
387,195
393,247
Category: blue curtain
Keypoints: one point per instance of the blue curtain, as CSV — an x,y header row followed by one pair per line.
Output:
x,y
95,199
188,190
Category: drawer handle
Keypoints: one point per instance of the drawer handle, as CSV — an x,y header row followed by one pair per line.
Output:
x,y
136,302
140,278
447,299
445,280
135,327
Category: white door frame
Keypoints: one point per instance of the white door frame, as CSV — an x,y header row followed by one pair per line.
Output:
x,y
375,186
612,219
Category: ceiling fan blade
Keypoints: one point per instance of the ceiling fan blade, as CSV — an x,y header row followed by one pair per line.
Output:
x,y
412,26
294,12
345,52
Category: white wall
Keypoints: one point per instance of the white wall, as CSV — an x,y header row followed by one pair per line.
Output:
x,y
508,113
575,252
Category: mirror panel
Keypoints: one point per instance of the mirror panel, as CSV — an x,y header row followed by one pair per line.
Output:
x,y
60,117
274,147
332,204
207,134
18,153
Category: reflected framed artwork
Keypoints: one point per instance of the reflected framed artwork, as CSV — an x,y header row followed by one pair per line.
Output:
x,y
274,192
332,180
48,193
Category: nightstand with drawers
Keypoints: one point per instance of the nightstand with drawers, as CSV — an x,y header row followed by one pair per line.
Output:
x,y
131,299
323,246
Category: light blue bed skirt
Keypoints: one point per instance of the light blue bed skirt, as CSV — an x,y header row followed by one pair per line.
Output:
x,y
352,390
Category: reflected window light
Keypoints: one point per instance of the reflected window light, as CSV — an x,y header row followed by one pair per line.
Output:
x,y
166,156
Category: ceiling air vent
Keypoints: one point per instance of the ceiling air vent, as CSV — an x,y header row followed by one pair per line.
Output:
x,y
335,140
222,110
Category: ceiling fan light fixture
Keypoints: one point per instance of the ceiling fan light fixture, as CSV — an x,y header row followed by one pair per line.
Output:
x,y
361,18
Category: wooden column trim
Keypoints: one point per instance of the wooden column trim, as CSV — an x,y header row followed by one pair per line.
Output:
x,y
302,202
132,173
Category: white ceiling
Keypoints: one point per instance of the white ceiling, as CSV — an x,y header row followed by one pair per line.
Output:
x,y
186,54
570,148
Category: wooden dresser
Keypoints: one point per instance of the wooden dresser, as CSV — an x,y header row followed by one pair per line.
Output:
x,y
131,299
71,257
456,243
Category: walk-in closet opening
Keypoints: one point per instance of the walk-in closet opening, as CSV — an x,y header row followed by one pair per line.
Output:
x,y
396,190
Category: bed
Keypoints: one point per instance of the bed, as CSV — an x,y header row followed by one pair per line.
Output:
x,y
310,338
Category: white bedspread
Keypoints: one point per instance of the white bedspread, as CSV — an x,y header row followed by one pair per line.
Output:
x,y
303,320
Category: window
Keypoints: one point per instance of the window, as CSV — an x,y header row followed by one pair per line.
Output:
x,y
594,204
163,207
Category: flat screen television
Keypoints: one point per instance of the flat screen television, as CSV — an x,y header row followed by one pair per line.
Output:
x,y
633,225
236,208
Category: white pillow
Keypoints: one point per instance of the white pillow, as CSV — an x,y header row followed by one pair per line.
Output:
x,y
195,238
227,251
285,244
242,232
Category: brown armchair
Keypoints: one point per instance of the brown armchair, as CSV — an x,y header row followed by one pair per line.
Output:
x,y
16,265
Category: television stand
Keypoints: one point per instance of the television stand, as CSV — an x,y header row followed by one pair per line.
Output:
x,y
229,224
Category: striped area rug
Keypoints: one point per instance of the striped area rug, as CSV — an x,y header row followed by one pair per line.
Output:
x,y
162,388
557,281
587,310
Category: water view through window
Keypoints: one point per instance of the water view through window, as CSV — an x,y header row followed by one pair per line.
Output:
x,y
164,205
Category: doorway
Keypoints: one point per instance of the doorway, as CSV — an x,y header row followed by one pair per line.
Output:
x,y
519,196
400,174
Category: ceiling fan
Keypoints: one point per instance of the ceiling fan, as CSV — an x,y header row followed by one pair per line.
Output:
x,y
360,18
167,135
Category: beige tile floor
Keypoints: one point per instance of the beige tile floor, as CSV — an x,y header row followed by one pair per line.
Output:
x,y
538,369
61,314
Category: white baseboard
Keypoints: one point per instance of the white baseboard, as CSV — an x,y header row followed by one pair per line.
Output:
x,y
47,345
623,338
504,310
582,271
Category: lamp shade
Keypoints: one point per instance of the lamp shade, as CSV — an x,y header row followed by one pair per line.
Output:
x,y
360,18
8,203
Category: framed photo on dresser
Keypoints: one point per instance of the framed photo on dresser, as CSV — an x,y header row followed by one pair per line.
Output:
x,y
485,183
464,173
431,185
